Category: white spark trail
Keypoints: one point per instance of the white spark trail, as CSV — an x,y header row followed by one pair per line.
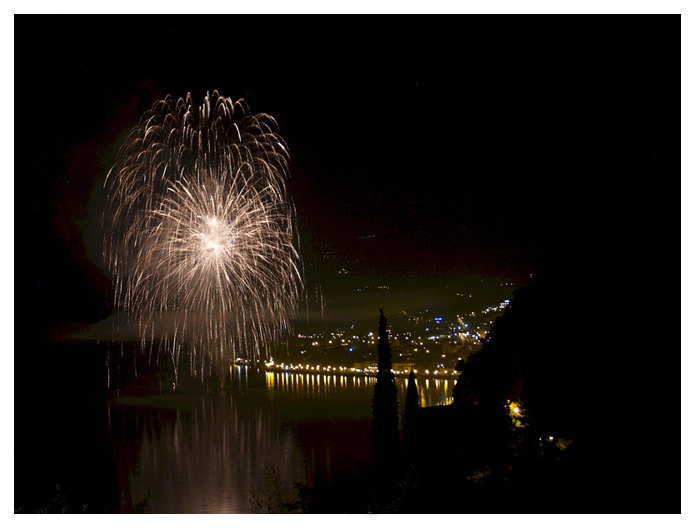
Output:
x,y
200,231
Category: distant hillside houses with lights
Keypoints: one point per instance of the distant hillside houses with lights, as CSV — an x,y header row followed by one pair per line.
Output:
x,y
422,342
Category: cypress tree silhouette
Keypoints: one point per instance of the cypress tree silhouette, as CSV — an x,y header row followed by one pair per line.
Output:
x,y
410,416
385,437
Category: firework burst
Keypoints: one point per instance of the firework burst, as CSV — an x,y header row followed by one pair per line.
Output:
x,y
199,232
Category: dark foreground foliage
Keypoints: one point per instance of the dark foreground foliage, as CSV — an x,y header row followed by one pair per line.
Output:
x,y
531,476
64,502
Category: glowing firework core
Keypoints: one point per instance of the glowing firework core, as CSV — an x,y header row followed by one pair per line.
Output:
x,y
199,231
216,238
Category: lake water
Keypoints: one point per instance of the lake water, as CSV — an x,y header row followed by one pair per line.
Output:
x,y
202,453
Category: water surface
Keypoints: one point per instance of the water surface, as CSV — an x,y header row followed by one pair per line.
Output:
x,y
203,453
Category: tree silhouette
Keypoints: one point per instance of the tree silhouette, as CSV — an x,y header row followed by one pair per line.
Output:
x,y
410,416
385,437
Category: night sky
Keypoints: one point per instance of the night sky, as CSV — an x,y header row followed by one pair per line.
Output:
x,y
424,149
428,153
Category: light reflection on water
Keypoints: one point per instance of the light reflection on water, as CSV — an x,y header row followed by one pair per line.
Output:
x,y
198,453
